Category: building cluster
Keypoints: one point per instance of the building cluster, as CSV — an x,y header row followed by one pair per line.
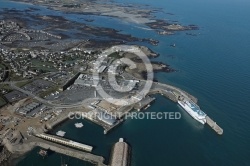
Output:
x,y
10,31
86,80
29,64
7,27
29,108
2,73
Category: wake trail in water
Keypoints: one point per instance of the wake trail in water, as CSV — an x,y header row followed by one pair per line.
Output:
x,y
148,29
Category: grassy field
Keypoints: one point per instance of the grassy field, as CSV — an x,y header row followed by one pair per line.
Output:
x,y
5,87
115,55
49,91
21,84
2,102
1,66
45,66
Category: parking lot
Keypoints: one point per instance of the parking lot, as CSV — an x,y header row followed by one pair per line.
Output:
x,y
37,86
76,93
15,96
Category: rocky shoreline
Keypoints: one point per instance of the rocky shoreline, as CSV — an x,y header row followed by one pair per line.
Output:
x,y
73,34
166,28
140,71
130,13
69,31
5,156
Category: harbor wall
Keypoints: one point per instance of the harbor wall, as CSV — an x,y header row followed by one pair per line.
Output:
x,y
37,142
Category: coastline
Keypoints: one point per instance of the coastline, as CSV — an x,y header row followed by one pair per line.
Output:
x,y
159,67
144,16
211,66
52,125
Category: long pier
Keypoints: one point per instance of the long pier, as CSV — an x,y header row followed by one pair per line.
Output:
x,y
66,142
97,160
174,93
120,154
33,142
214,126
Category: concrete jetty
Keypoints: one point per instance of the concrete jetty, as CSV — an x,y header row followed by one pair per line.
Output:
x,y
120,154
107,129
171,92
65,142
61,118
33,142
97,160
167,93
174,94
214,126
144,103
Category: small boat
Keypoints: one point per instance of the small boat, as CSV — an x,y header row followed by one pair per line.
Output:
x,y
173,45
78,125
61,133
43,153
63,163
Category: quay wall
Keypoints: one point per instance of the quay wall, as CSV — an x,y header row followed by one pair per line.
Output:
x,y
56,121
37,142
165,93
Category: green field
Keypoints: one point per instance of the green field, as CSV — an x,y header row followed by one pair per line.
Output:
x,y
1,66
115,55
49,91
2,102
21,84
44,66
5,87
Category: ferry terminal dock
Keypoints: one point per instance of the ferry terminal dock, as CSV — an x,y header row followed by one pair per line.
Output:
x,y
169,92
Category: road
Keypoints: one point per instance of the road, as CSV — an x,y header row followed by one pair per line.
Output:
x,y
47,102
105,53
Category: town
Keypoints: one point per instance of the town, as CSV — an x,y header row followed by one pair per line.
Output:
x,y
40,89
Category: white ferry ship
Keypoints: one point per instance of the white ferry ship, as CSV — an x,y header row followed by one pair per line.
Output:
x,y
194,110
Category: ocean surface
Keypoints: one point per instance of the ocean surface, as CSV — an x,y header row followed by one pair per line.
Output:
x,y
214,66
